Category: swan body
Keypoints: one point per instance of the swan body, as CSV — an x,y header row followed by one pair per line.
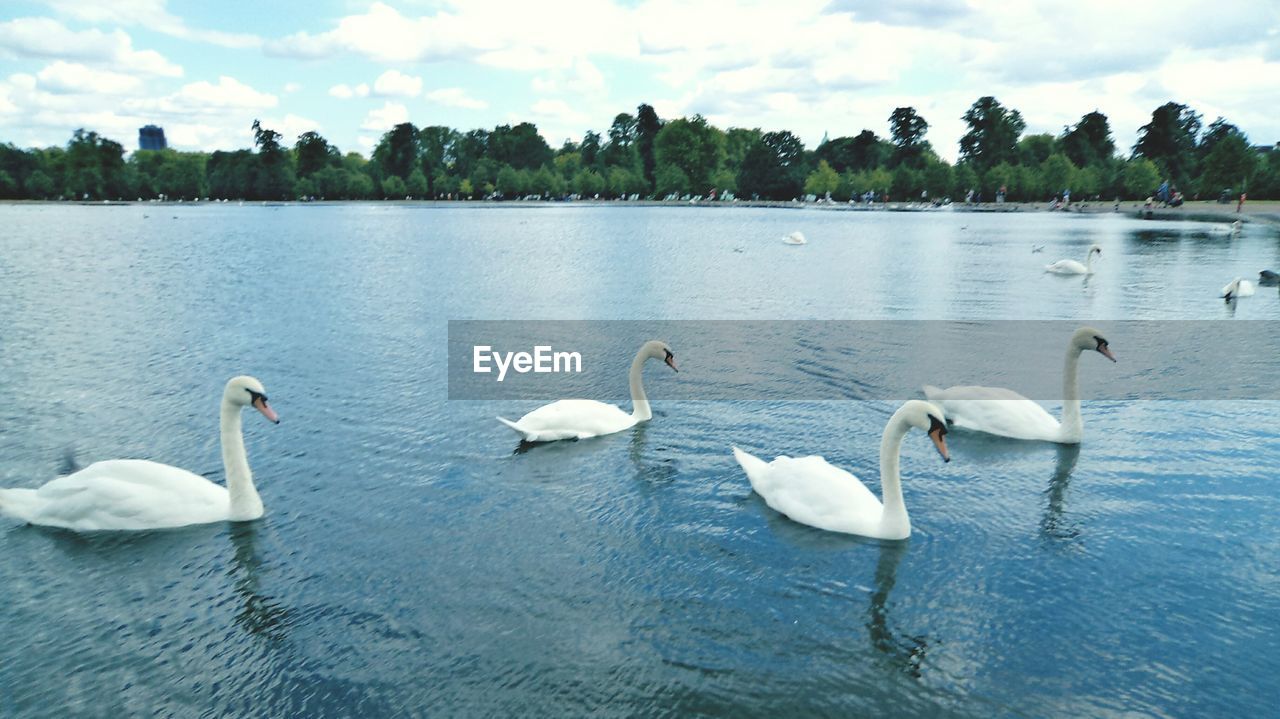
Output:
x,y
795,238
1230,229
1237,288
811,491
585,418
135,494
1006,413
1071,267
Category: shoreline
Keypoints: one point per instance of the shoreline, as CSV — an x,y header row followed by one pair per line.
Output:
x,y
1264,211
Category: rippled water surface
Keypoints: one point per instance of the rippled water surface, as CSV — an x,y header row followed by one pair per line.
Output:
x,y
411,563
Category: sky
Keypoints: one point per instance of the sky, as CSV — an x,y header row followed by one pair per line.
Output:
x,y
350,70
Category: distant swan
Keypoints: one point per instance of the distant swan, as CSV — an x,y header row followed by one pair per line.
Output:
x,y
810,491
795,238
135,494
1268,278
1071,267
1006,413
1231,229
583,418
1237,288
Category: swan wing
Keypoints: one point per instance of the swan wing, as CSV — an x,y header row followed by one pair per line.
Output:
x,y
1066,267
811,491
571,419
121,494
994,410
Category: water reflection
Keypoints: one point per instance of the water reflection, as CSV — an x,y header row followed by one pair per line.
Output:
x,y
1053,526
903,651
259,614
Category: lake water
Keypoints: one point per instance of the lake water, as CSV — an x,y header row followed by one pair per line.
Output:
x,y
412,564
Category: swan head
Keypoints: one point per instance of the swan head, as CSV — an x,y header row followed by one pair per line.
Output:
x,y
1095,249
929,418
245,391
1090,339
657,349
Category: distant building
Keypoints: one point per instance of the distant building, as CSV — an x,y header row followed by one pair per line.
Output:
x,y
151,138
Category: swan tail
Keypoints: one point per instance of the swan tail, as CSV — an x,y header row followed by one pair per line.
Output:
x,y
751,464
516,428
18,503
930,391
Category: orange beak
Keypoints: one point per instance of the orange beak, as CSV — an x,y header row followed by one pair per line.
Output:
x,y
940,441
261,405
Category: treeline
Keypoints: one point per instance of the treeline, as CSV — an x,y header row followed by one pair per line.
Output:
x,y
642,155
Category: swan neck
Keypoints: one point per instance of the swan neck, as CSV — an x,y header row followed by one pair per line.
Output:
x,y
245,502
639,401
895,510
1072,425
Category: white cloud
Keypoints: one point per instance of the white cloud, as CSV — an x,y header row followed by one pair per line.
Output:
x,y
394,83
385,117
151,14
229,94
581,77
74,78
346,92
456,97
292,87
46,38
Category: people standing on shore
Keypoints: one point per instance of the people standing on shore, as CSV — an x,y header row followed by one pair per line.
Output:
x,y
1240,205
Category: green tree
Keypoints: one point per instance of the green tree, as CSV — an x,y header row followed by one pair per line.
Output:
x,y
519,146
863,152
774,167
359,186
822,180
273,177
1057,173
1034,149
671,180
648,125
993,134
1139,177
1169,141
416,185
509,183
38,185
937,178
393,188
1230,164
313,152
94,167
397,153
692,145
907,129
588,183
1089,142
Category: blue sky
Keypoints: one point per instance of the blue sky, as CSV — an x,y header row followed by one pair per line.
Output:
x,y
350,70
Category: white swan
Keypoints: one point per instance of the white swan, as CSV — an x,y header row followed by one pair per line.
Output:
x,y
583,418
1219,229
1006,413
1237,288
810,491
795,238
1071,267
135,494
